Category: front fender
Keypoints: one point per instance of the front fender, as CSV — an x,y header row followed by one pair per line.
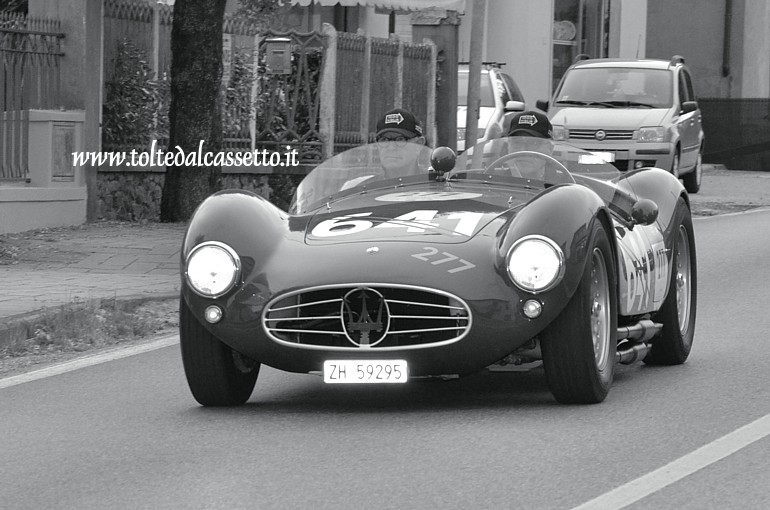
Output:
x,y
566,214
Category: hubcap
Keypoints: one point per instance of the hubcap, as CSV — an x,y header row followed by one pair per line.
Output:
x,y
600,309
683,281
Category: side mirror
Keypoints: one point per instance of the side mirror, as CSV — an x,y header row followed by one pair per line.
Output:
x,y
644,212
442,160
542,104
689,106
514,106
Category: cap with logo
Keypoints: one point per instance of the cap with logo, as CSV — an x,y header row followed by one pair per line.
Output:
x,y
399,121
531,123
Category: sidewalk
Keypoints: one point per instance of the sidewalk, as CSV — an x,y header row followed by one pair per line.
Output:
x,y
127,260
47,268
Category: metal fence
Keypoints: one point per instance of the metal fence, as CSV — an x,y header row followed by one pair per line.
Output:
x,y
737,132
30,55
30,50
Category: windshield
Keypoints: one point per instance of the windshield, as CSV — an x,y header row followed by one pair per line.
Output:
x,y
485,92
364,167
531,161
616,87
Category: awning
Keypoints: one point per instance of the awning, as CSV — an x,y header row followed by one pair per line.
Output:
x,y
398,5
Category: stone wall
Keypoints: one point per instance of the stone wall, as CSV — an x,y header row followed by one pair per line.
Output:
x,y
135,196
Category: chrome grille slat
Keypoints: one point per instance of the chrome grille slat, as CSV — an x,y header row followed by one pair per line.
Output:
x,y
366,316
304,318
590,134
301,305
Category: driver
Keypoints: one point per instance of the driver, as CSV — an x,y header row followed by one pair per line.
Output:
x,y
395,130
531,124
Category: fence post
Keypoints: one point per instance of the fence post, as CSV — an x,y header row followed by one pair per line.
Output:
x,y
430,121
366,88
254,95
398,101
328,87
155,40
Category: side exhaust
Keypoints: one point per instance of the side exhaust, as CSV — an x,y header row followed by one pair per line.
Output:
x,y
638,336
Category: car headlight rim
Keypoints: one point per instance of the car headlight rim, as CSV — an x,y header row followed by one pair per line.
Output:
x,y
557,274
235,271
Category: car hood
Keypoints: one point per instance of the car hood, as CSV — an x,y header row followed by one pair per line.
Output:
x,y
485,114
437,214
607,118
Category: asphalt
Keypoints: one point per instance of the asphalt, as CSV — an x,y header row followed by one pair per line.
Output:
x,y
141,261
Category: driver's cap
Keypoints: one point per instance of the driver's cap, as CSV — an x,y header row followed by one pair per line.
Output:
x,y
531,123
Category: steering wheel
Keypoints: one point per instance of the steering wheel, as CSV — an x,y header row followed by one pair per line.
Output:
x,y
550,172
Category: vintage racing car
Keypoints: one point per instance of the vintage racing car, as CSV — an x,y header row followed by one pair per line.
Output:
x,y
396,262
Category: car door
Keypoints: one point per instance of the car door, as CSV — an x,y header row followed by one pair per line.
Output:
x,y
689,124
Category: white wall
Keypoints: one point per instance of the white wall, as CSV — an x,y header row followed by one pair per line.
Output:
x,y
519,34
756,64
632,33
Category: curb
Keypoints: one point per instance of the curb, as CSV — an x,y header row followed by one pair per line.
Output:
x,y
18,328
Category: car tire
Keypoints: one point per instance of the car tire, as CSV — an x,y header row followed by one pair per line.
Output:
x,y
216,374
675,164
693,179
672,345
579,346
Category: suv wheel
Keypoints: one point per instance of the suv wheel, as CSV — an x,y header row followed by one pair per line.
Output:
x,y
693,179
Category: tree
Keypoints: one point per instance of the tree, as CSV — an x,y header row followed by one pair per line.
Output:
x,y
195,112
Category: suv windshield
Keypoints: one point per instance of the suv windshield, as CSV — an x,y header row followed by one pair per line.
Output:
x,y
487,98
616,87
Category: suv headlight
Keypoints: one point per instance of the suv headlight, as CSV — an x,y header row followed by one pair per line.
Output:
x,y
212,269
655,134
559,132
535,263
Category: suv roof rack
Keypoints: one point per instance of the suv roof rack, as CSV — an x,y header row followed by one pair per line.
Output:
x,y
488,64
676,59
582,56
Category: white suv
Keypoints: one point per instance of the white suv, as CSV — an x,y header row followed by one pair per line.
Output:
x,y
500,99
638,113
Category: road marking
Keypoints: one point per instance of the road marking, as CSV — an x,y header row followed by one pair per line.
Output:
x,y
737,213
674,471
76,364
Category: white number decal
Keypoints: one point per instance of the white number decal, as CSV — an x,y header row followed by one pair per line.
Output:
x,y
415,222
419,216
342,225
467,224
429,252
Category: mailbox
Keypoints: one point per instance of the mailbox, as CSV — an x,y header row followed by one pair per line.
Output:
x,y
278,55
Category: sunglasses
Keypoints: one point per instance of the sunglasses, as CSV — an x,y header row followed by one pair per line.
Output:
x,y
398,140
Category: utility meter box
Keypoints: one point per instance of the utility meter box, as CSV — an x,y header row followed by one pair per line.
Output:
x,y
278,55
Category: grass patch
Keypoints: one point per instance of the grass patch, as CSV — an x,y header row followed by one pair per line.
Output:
x,y
82,326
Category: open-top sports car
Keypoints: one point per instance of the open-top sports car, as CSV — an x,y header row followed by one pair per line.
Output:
x,y
396,262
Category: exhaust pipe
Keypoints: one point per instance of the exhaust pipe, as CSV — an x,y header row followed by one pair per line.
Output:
x,y
642,331
633,353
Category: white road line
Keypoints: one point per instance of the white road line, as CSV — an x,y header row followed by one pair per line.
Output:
x,y
88,361
747,211
672,472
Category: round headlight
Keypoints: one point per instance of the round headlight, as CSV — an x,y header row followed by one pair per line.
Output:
x,y
212,269
535,263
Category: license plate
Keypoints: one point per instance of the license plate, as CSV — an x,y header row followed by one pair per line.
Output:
x,y
350,371
607,157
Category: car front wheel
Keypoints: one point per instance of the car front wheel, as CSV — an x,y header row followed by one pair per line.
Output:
x,y
216,374
579,346
693,179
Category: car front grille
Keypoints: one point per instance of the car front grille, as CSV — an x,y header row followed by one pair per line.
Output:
x,y
376,317
590,134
